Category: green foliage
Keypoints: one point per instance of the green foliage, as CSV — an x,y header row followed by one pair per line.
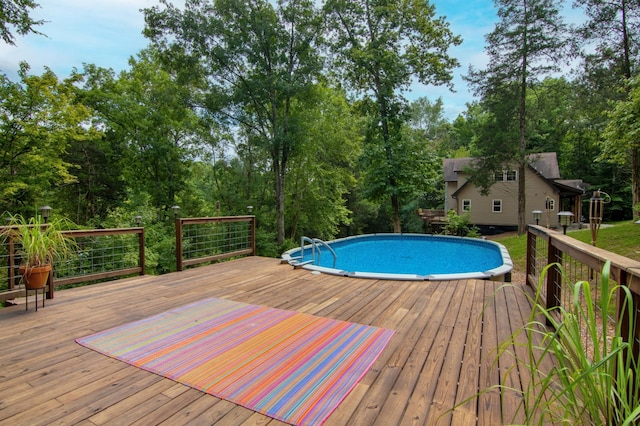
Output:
x,y
620,138
610,76
15,17
527,43
460,225
148,115
582,367
255,60
380,48
234,104
323,171
39,117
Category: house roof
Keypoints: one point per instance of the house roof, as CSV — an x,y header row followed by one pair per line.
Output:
x,y
572,185
544,163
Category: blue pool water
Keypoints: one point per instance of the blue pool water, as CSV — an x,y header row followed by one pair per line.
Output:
x,y
409,256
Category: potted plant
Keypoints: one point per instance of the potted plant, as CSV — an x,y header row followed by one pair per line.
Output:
x,y
38,244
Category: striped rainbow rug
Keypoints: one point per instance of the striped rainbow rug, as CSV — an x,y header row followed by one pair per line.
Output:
x,y
290,366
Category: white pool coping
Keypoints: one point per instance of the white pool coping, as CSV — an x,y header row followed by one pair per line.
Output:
x,y
494,274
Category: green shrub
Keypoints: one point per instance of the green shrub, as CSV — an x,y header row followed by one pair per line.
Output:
x,y
460,225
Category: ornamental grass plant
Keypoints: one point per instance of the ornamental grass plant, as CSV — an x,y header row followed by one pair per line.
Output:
x,y
581,364
38,242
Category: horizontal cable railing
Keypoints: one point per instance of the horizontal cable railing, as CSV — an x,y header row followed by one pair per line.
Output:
x,y
101,254
209,239
104,254
574,261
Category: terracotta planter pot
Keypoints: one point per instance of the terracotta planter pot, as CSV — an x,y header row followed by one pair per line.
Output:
x,y
35,277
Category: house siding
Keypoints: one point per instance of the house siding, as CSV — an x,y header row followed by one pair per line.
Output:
x,y
537,190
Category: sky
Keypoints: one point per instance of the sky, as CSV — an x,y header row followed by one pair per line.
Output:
x,y
108,32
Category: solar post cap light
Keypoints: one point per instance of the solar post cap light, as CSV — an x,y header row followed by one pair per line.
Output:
x,y
45,211
565,220
537,214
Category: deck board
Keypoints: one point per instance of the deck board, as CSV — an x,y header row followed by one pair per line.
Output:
x,y
442,354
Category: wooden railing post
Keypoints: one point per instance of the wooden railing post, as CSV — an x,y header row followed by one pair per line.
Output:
x,y
11,275
178,244
554,277
253,235
52,285
141,260
531,257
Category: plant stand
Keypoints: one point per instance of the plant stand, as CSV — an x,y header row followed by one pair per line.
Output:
x,y
26,297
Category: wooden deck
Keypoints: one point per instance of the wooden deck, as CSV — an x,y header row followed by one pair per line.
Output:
x,y
442,353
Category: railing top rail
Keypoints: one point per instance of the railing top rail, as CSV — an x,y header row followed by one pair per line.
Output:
x,y
198,220
592,256
102,232
571,245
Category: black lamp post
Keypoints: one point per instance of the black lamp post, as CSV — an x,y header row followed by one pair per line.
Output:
x,y
537,214
249,209
175,211
565,220
45,211
138,220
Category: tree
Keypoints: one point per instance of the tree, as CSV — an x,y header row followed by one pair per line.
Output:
x,y
14,17
323,174
429,124
256,60
150,115
39,117
622,134
525,45
611,32
381,47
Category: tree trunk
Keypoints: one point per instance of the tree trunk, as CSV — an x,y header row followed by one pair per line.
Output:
x,y
278,171
522,157
522,200
395,204
635,181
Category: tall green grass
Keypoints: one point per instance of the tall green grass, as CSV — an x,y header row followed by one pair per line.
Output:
x,y
581,369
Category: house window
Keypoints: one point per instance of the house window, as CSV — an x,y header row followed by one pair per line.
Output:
x,y
466,205
506,175
550,204
497,206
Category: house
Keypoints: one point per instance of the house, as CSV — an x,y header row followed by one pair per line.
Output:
x,y
545,191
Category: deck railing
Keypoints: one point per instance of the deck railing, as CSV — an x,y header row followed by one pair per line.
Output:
x,y
209,239
111,253
101,254
580,262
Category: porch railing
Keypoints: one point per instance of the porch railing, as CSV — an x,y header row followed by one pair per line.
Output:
x,y
580,262
111,253
209,239
101,254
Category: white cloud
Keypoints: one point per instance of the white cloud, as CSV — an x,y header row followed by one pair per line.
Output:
x,y
108,32
102,32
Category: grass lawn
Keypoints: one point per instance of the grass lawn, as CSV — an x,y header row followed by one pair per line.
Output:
x,y
622,238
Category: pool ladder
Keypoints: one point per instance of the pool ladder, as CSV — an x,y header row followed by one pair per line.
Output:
x,y
315,243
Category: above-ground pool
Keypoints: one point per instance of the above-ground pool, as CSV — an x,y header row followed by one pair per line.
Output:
x,y
404,257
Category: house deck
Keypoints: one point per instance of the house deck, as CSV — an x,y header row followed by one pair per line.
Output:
x,y
442,354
